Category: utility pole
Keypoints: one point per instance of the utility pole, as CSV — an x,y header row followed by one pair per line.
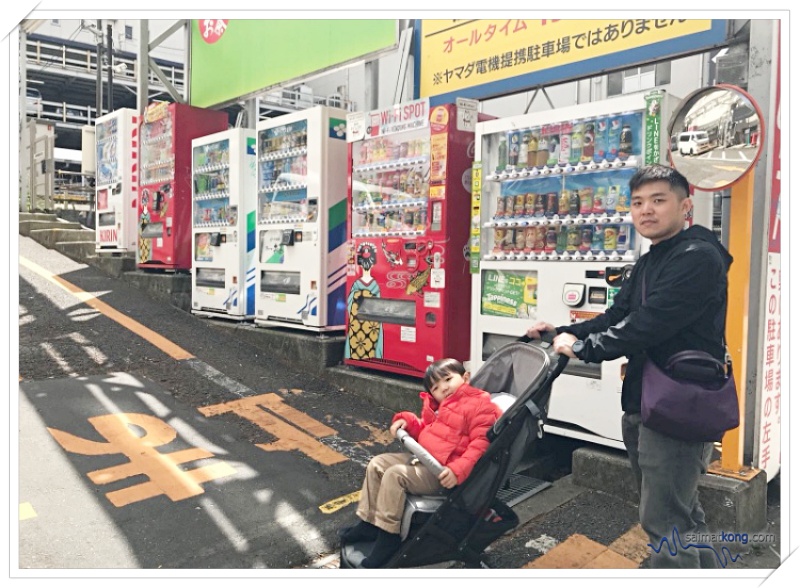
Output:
x,y
99,63
110,48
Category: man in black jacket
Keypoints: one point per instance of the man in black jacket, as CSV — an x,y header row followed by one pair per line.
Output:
x,y
675,299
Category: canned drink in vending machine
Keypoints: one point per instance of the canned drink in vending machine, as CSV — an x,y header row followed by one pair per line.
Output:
x,y
611,235
510,200
563,203
530,204
586,239
552,204
539,204
500,212
599,200
499,237
598,238
624,200
573,238
540,238
519,205
550,239
509,241
622,238
530,239
519,240
574,203
586,196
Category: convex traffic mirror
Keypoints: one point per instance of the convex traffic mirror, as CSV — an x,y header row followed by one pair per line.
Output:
x,y
716,136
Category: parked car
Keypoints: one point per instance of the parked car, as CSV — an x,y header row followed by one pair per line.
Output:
x,y
33,100
693,143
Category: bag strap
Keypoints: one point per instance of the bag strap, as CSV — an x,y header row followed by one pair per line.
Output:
x,y
692,355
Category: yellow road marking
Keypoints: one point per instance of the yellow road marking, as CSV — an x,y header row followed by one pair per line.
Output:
x,y
26,511
339,503
159,341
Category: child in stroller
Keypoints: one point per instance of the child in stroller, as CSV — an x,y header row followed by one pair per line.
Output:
x,y
453,424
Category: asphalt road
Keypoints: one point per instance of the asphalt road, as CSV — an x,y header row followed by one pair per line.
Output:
x,y
238,460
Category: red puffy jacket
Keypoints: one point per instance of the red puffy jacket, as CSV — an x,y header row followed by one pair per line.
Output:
x,y
455,431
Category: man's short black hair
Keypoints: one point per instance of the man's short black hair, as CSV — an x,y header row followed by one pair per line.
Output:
x,y
661,173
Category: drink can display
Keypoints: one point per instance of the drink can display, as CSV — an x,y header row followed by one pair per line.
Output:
x,y
598,238
539,204
499,237
509,240
599,200
563,203
622,238
587,202
612,199
501,207
550,239
576,143
519,205
552,204
614,129
573,238
519,240
587,155
539,238
418,219
509,209
586,239
611,232
408,219
561,240
574,203
600,139
530,239
624,199
530,204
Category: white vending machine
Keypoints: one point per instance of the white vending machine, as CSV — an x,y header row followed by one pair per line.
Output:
x,y
224,224
117,181
302,220
553,238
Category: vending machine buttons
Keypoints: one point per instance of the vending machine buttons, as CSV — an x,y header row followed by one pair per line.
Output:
x,y
573,294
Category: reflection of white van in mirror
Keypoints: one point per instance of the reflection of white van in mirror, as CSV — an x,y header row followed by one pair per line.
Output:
x,y
693,143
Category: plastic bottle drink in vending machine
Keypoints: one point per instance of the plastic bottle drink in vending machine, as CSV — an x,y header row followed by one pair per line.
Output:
x,y
611,234
499,236
563,203
561,239
519,240
611,200
553,203
573,238
539,204
614,129
586,239
530,204
550,239
599,200
533,146
600,139
625,142
522,159
500,212
565,139
587,155
530,239
576,143
502,154
541,236
519,205
513,149
624,200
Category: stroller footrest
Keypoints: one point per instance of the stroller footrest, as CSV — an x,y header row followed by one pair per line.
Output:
x,y
520,487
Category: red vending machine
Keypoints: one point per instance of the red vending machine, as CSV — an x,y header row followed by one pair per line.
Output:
x,y
408,280
165,188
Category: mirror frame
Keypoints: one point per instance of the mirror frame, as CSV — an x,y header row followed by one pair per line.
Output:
x,y
686,105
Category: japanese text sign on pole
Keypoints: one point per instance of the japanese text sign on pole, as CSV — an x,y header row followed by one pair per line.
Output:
x,y
485,58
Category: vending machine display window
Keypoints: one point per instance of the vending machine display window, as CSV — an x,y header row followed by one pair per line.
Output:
x,y
283,171
211,177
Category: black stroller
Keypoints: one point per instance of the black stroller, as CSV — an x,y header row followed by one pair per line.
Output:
x,y
460,524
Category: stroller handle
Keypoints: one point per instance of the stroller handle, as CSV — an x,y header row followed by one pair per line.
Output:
x,y
546,342
419,452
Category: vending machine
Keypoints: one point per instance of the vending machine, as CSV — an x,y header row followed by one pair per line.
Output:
x,y
116,180
301,219
165,182
408,279
553,237
224,224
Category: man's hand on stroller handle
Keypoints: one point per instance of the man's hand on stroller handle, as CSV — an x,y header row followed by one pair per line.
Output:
x,y
535,332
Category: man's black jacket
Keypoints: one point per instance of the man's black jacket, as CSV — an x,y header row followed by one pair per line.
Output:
x,y
685,305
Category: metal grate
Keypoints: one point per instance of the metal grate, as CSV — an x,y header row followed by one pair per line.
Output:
x,y
519,488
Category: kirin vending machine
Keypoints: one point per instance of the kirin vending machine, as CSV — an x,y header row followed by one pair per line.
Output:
x,y
553,238
408,278
301,220
224,224
165,181
116,180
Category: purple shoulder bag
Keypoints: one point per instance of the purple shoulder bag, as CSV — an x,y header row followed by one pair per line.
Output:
x,y
692,399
